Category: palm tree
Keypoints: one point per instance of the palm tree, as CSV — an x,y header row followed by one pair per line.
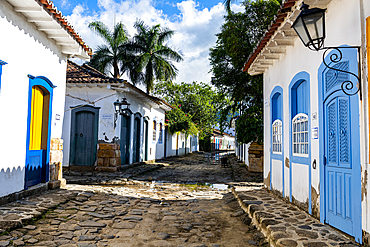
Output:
x,y
154,58
113,53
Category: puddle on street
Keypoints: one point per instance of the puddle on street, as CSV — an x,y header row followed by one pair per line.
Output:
x,y
220,186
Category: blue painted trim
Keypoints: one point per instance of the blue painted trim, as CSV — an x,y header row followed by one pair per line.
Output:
x,y
47,85
1,70
280,91
351,56
297,79
43,78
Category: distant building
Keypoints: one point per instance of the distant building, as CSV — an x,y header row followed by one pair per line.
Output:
x,y
95,136
222,141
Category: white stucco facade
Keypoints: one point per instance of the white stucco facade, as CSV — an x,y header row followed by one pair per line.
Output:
x,y
26,51
95,90
300,177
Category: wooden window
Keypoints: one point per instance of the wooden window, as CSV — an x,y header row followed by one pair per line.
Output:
x,y
300,105
300,134
160,133
277,138
277,124
154,131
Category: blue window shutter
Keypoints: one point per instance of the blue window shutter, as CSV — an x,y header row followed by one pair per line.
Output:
x,y
276,107
1,70
343,131
300,99
332,122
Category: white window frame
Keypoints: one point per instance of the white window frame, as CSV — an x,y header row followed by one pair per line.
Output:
x,y
300,137
277,137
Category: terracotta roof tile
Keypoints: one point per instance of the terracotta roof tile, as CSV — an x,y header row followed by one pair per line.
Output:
x,y
57,15
278,20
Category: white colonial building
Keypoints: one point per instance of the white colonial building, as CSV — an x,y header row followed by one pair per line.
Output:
x,y
316,135
36,41
90,119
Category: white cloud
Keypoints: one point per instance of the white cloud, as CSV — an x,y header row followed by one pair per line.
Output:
x,y
195,29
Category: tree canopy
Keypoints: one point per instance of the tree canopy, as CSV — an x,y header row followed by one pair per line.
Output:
x,y
198,101
146,57
112,54
239,35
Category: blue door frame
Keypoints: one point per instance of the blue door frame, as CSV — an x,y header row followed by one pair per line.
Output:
x,y
296,100
350,199
277,113
37,161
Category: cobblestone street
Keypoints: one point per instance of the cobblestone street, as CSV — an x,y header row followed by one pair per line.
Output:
x,y
144,205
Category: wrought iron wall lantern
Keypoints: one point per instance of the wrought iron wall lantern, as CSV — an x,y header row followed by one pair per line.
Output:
x,y
121,107
310,27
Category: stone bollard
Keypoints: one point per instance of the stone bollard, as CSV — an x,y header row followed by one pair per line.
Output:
x,y
56,159
255,157
109,157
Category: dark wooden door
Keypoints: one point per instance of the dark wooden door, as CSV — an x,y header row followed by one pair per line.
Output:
x,y
136,154
145,140
84,138
125,139
84,135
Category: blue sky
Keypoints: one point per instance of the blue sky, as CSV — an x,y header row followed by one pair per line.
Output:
x,y
169,7
195,24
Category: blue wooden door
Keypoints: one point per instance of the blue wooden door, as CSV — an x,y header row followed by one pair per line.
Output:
x,y
84,138
338,165
340,145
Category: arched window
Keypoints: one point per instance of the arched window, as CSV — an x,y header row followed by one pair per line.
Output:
x,y
154,131
300,134
300,104
277,124
277,136
160,133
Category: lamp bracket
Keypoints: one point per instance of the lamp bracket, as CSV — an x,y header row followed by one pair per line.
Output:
x,y
336,57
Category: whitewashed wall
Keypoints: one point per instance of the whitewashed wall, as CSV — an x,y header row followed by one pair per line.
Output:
x,y
106,131
339,31
27,51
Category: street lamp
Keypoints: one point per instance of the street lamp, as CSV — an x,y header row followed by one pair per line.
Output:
x,y
310,27
121,107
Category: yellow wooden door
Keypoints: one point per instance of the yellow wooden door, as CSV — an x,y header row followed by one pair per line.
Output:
x,y
37,105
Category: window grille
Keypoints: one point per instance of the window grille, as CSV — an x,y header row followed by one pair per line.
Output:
x,y
277,140
300,134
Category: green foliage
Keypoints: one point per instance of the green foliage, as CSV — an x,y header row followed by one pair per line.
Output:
x,y
179,121
239,35
199,101
146,58
154,57
112,54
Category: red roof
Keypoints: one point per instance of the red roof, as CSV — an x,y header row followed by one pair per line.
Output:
x,y
57,15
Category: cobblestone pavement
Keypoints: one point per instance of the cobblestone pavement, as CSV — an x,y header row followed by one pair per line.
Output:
x,y
133,211
285,224
181,201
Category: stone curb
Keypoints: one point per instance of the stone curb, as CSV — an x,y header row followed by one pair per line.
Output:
x,y
286,225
